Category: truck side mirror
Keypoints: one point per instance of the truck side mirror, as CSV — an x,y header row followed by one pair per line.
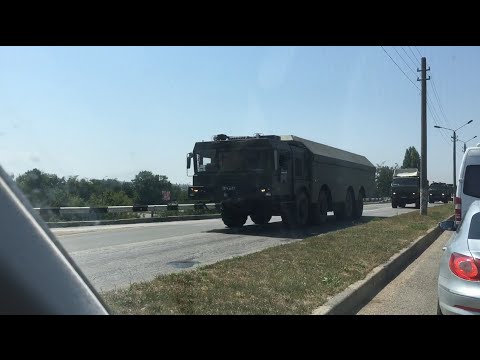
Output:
x,y
189,160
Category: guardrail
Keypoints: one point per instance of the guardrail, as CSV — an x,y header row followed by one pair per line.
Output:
x,y
138,208
119,209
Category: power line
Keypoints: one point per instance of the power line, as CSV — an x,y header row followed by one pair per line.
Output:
x,y
435,121
414,73
400,69
418,51
414,54
435,93
436,112
439,103
406,53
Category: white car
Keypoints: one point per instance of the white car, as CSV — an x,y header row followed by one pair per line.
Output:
x,y
468,188
459,270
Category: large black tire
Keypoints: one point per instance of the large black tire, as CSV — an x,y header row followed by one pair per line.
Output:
x,y
261,218
287,219
417,204
318,214
358,210
394,204
233,219
301,209
347,210
402,205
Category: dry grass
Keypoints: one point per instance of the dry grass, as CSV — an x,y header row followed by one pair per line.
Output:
x,y
289,279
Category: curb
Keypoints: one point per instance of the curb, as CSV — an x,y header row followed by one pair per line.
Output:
x,y
130,221
357,295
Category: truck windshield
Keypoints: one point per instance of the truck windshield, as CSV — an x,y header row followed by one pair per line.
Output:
x,y
406,181
220,160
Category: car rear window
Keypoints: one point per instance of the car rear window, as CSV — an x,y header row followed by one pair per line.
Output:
x,y
474,231
471,184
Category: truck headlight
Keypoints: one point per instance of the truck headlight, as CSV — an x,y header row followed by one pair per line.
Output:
x,y
394,193
265,191
413,193
443,194
430,194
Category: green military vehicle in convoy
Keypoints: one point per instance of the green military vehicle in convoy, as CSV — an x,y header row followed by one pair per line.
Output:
x,y
438,191
451,193
266,175
405,187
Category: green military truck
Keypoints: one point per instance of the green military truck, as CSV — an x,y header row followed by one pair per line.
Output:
x,y
405,187
266,175
438,191
451,193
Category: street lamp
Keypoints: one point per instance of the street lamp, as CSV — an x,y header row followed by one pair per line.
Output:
x,y
454,137
465,143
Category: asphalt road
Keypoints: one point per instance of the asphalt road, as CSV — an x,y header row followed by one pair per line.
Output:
x,y
116,255
414,291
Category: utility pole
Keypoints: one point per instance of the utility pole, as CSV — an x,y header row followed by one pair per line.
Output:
x,y
423,163
454,137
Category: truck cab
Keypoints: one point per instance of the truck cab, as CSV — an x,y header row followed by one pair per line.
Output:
x,y
438,192
405,188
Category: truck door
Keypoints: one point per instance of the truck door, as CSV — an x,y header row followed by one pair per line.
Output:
x,y
301,170
283,180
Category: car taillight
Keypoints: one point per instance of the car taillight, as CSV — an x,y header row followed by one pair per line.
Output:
x,y
465,267
458,210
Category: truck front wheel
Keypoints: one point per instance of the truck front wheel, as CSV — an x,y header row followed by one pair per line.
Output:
x,y
318,214
301,209
233,219
260,218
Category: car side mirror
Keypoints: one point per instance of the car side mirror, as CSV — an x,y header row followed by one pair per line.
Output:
x,y
448,225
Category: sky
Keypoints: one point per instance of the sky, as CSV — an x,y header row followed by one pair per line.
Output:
x,y
110,112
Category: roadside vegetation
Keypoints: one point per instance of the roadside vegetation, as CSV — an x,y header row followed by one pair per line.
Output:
x,y
45,190
294,278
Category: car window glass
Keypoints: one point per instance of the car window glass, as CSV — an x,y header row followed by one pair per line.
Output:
x,y
474,231
472,180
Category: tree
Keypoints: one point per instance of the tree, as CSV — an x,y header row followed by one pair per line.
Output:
x,y
383,179
411,158
49,190
110,198
148,188
180,192
40,188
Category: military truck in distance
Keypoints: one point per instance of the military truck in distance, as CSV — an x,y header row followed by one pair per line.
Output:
x,y
405,188
450,191
265,175
438,191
